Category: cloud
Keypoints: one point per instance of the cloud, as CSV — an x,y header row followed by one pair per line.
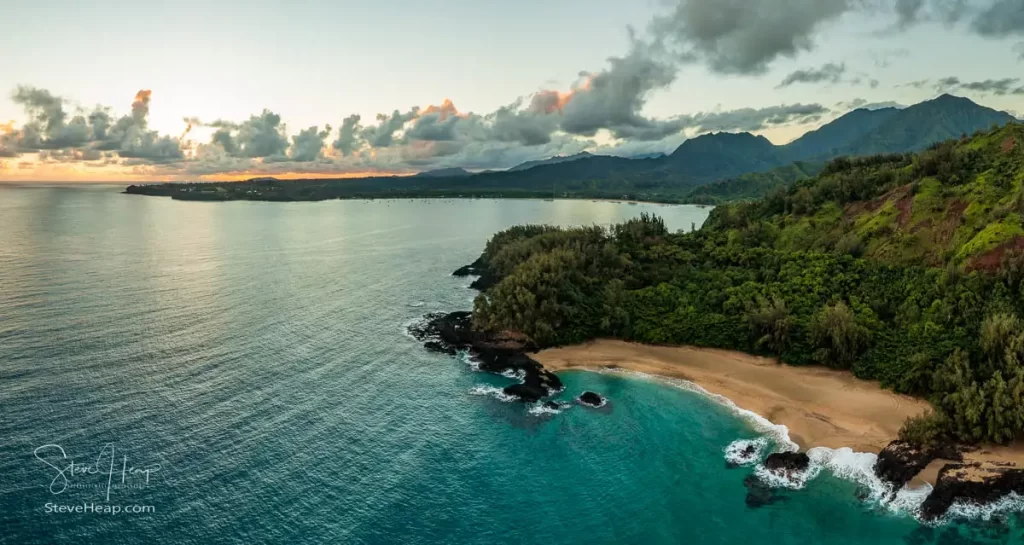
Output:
x,y
883,59
829,73
919,84
435,123
743,37
80,137
883,105
987,18
261,136
49,127
998,87
751,119
613,98
382,135
907,11
1002,18
348,139
851,104
530,127
308,145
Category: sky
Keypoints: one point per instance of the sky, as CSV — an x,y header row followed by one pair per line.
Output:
x,y
212,90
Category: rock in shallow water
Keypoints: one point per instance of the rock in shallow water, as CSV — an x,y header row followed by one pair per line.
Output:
x,y
590,398
785,463
555,405
526,392
759,494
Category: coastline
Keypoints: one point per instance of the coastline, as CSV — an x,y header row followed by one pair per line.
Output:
x,y
821,407
158,190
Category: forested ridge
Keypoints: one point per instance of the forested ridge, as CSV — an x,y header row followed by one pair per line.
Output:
x,y
903,268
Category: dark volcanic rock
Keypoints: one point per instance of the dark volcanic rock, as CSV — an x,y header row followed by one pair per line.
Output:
x,y
445,332
526,392
499,353
484,283
479,268
555,405
900,461
787,462
591,399
759,494
971,483
476,268
742,458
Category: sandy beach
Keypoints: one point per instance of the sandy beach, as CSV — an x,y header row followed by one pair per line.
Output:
x,y
821,407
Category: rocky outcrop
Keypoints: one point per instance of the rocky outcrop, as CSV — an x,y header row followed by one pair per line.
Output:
x,y
978,483
486,278
787,463
501,353
476,268
899,462
591,399
742,456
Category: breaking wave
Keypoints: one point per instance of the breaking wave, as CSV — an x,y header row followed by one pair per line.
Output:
x,y
492,391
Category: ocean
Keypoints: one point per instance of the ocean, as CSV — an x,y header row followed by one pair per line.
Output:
x,y
204,373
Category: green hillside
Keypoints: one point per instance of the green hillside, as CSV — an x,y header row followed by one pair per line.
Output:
x,y
905,269
753,185
959,202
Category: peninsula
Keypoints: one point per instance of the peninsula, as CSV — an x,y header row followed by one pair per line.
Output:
x,y
906,270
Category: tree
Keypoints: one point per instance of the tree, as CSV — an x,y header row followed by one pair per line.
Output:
x,y
769,323
837,335
997,334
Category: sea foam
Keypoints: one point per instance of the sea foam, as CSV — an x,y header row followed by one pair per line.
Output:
x,y
737,451
843,463
492,391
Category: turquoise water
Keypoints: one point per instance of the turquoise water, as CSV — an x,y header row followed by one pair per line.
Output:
x,y
253,358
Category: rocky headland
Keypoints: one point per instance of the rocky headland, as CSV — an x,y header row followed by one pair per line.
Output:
x,y
963,477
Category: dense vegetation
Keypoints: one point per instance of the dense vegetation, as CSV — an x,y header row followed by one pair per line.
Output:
x,y
753,185
739,166
900,268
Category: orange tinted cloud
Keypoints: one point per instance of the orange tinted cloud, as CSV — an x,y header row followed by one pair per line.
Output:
x,y
242,176
550,101
7,128
140,106
445,110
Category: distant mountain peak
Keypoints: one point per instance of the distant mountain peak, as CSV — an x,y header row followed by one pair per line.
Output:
x,y
454,172
552,161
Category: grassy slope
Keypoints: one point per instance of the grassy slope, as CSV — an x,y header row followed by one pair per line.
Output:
x,y
967,212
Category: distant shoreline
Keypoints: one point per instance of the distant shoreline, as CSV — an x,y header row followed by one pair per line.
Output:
x,y
182,196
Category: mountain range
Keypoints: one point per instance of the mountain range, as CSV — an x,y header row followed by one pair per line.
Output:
x,y
721,156
711,168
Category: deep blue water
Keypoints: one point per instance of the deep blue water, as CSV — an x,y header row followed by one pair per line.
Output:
x,y
253,358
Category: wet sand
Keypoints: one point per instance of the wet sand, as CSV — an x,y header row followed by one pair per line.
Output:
x,y
821,407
